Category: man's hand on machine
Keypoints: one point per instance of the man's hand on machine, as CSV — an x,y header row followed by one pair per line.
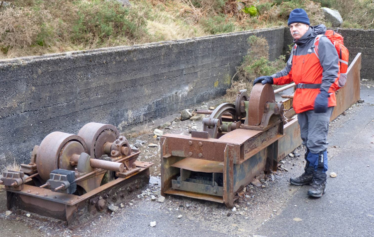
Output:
x,y
264,80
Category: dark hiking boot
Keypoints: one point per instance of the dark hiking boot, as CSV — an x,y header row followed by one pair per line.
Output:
x,y
318,187
305,179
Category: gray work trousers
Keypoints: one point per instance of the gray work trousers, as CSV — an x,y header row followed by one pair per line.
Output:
x,y
314,128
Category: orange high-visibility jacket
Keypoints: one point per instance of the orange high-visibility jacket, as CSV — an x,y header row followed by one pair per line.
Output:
x,y
305,67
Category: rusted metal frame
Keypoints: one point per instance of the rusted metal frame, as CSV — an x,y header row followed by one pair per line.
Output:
x,y
67,199
107,186
40,206
181,183
291,139
350,93
186,146
67,209
259,142
245,172
167,160
194,195
228,175
272,157
122,159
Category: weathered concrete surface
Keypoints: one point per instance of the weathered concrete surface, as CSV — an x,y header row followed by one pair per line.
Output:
x,y
361,41
123,86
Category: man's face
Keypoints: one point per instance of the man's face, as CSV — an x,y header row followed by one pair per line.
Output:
x,y
298,30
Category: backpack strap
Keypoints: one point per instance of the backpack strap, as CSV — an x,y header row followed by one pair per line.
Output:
x,y
316,43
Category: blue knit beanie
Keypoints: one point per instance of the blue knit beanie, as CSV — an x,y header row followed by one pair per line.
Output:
x,y
298,15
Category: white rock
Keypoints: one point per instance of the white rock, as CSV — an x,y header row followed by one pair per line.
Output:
x,y
152,224
291,155
234,209
185,114
153,198
152,145
28,215
211,108
180,216
333,16
161,199
113,208
121,205
7,213
333,175
158,132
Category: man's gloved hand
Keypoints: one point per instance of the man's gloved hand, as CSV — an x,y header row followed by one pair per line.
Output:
x,y
264,80
321,102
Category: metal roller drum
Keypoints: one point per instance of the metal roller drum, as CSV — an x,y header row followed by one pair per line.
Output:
x,y
55,152
96,135
260,95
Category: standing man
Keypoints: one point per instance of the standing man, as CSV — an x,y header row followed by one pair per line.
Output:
x,y
314,68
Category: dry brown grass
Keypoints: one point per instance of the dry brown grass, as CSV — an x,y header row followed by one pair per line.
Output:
x,y
13,167
35,27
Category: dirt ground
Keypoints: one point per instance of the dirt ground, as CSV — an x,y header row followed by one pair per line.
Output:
x,y
255,206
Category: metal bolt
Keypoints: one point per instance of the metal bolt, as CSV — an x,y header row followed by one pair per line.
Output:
x,y
189,153
200,155
200,144
190,142
120,138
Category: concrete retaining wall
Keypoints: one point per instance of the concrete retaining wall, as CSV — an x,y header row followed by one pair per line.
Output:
x,y
123,86
361,41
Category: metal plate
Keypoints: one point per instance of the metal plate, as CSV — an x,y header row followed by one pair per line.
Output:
x,y
199,165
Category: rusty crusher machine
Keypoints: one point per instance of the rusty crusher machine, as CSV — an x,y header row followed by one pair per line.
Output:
x,y
238,142
71,177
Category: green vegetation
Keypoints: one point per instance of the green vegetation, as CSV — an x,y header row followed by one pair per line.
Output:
x,y
32,27
256,63
217,24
